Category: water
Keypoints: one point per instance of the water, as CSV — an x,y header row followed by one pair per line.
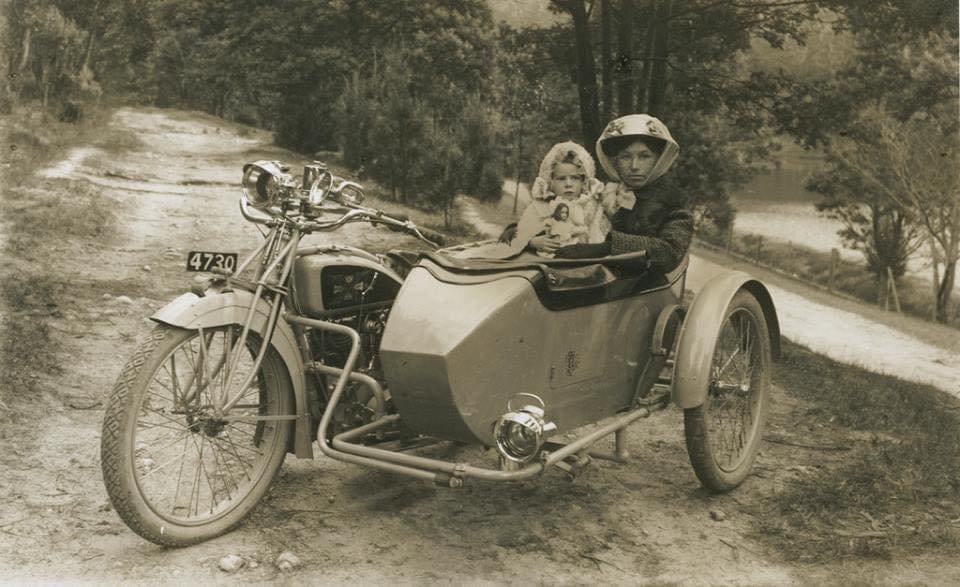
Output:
x,y
775,205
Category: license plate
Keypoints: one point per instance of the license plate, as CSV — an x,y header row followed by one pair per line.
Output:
x,y
211,261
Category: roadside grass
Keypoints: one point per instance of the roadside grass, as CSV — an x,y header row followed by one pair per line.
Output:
x,y
43,222
895,493
41,219
850,277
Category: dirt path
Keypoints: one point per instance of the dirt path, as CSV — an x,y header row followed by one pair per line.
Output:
x,y
648,521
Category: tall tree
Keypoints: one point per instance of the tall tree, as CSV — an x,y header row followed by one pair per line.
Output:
x,y
586,67
606,60
625,58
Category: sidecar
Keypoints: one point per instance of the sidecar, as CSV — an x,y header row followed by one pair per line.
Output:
x,y
516,354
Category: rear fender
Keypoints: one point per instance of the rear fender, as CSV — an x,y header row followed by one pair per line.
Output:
x,y
218,309
701,328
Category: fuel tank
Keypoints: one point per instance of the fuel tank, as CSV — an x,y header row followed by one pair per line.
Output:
x,y
457,347
333,280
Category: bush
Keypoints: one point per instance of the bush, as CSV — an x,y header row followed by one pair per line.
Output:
x,y
491,184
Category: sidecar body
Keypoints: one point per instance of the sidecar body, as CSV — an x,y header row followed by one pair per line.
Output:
x,y
464,337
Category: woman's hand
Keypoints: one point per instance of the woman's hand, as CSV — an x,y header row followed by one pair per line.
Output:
x,y
584,251
545,243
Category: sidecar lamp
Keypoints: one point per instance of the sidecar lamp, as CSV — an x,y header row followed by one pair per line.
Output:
x,y
520,433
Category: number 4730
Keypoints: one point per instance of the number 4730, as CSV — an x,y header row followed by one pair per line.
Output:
x,y
210,261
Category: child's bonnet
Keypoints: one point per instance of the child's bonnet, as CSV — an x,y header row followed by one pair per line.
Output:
x,y
543,201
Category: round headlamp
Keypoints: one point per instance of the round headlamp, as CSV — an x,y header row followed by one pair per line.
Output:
x,y
262,183
521,433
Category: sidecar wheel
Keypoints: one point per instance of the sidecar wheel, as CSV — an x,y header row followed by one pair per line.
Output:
x,y
176,473
723,434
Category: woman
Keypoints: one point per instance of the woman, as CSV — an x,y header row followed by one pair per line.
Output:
x,y
636,150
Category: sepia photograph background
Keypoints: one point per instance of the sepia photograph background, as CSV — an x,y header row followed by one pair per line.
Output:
x,y
818,152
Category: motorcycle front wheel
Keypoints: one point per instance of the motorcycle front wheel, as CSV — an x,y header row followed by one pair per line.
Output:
x,y
177,471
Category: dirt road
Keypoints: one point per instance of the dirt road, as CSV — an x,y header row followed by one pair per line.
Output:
x,y
648,521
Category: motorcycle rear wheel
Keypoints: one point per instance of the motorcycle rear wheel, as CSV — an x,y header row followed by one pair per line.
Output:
x,y
723,434
175,473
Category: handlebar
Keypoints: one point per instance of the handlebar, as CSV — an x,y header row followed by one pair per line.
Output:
x,y
353,213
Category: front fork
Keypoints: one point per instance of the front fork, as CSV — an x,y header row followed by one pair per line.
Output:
x,y
272,261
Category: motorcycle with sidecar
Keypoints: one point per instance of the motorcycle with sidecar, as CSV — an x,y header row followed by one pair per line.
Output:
x,y
368,358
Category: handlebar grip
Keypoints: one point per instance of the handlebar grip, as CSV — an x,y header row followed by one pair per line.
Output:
x,y
433,235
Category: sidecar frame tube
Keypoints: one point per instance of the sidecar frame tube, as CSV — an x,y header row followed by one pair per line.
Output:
x,y
442,472
342,442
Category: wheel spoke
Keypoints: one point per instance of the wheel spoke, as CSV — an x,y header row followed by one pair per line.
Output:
x,y
191,463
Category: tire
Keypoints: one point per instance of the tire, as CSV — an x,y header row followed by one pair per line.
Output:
x,y
175,473
723,434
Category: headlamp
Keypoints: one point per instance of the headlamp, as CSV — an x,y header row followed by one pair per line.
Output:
x,y
262,183
520,433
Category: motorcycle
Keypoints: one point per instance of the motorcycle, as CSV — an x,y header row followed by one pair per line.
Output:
x,y
369,357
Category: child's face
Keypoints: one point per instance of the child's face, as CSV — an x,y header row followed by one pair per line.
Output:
x,y
634,163
567,180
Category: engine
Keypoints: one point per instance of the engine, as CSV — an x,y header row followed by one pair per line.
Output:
x,y
349,288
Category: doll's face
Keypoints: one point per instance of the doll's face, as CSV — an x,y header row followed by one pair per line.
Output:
x,y
566,181
561,213
634,163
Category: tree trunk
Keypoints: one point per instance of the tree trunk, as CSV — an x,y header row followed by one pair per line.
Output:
x,y
658,73
643,84
605,59
625,59
516,190
945,291
586,72
24,50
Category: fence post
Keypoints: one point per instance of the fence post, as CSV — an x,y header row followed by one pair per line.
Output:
x,y
759,246
729,239
834,260
893,290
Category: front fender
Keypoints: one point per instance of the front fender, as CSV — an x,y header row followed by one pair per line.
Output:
x,y
701,328
218,309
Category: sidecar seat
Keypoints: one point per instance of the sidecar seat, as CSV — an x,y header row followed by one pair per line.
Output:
x,y
560,283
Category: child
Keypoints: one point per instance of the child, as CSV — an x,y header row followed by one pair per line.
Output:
x,y
566,178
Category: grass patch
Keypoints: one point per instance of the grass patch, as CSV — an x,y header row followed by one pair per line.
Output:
x,y
850,277
27,347
42,220
897,492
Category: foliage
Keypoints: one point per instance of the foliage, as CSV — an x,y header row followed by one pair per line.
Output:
x,y
871,222
889,127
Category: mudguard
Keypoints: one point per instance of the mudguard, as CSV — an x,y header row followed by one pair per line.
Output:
x,y
701,328
217,309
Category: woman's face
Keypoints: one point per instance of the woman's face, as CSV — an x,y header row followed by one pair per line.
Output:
x,y
566,181
634,163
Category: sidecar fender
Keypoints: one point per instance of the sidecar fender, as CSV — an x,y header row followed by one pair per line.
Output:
x,y
701,328
217,309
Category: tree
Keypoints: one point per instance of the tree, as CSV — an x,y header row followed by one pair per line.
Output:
x,y
872,223
915,166
888,123
586,67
